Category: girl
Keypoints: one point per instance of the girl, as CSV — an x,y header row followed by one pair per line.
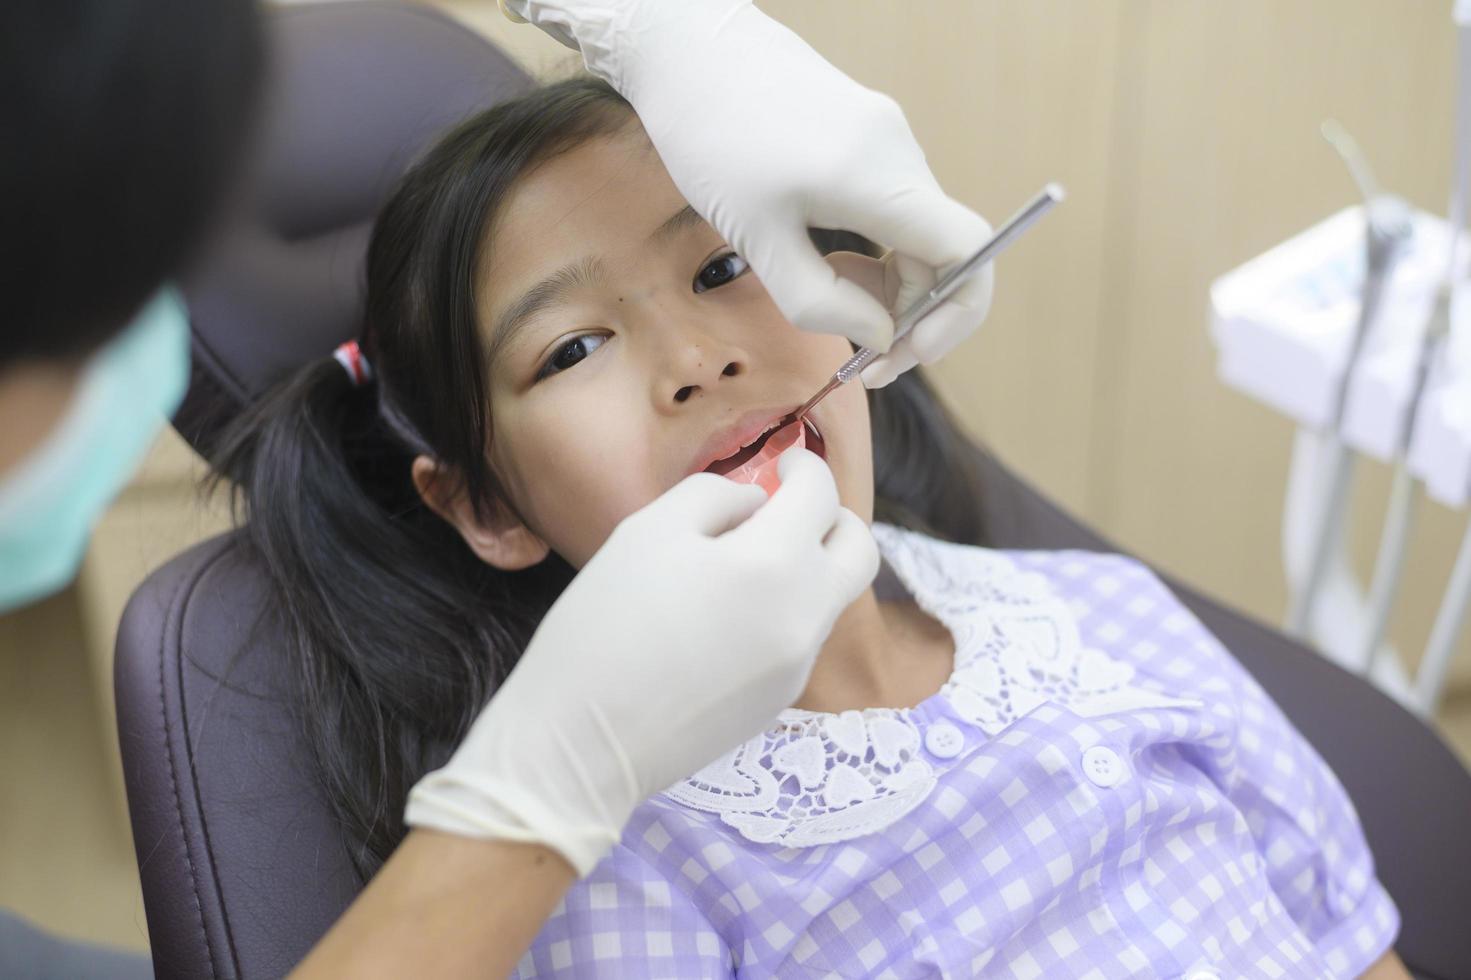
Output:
x,y
1020,764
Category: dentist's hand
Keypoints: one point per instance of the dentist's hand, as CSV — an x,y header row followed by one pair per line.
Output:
x,y
686,633
765,138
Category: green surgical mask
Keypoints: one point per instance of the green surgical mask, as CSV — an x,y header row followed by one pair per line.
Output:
x,y
51,500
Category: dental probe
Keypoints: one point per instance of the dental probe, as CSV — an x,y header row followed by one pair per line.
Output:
x,y
940,292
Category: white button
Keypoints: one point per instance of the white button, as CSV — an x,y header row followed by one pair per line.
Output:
x,y
1103,766
944,740
1202,975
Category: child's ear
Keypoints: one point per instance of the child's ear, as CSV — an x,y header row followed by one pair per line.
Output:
x,y
499,540
880,277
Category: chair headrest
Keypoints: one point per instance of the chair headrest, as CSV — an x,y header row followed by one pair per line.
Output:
x,y
355,91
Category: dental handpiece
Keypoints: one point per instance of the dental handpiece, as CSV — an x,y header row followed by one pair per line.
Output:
x,y
941,291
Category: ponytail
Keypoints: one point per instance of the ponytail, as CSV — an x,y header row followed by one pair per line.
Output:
x,y
398,632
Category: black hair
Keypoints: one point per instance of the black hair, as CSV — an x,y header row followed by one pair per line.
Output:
x,y
121,126
400,633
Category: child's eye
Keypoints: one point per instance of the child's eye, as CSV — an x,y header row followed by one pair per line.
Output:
x,y
569,354
720,270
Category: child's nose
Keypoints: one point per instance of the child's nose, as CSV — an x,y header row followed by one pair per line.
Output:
x,y
705,373
690,351
689,348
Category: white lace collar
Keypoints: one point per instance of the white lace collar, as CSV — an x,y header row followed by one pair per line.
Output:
x,y
819,778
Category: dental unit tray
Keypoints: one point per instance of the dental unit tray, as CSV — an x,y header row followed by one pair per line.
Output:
x,y
1283,326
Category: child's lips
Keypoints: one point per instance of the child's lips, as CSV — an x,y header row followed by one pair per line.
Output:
x,y
743,432
740,438
760,467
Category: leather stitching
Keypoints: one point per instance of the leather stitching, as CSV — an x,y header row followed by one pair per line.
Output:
x,y
180,601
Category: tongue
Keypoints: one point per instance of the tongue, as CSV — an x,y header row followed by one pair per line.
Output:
x,y
760,469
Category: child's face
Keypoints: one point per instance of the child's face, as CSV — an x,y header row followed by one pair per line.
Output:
x,y
654,338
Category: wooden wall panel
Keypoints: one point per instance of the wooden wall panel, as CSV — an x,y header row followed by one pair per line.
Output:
x,y
1224,161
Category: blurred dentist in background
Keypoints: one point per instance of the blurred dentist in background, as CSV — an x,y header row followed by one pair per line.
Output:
x,y
123,124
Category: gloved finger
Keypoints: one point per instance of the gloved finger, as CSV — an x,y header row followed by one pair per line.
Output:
x,y
933,337
804,506
939,332
953,321
912,279
883,281
882,370
709,504
853,555
923,223
878,276
814,297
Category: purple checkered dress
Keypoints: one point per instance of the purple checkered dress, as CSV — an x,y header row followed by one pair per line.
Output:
x,y
1098,791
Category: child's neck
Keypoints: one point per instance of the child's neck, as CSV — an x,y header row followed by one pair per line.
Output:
x,y
881,654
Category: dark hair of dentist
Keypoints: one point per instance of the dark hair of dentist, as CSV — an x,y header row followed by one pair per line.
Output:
x,y
121,125
321,460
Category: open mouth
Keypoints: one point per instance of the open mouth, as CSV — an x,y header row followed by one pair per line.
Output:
x,y
771,444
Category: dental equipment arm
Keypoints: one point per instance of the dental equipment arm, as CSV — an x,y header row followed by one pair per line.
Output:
x,y
765,138
1387,229
1450,617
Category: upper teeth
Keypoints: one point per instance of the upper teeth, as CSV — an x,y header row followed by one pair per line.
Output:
x,y
762,433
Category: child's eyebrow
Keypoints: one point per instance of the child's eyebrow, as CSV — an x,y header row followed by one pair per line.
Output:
x,y
546,293
677,222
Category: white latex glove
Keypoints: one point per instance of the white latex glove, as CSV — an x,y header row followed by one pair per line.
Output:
x,y
765,138
692,627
